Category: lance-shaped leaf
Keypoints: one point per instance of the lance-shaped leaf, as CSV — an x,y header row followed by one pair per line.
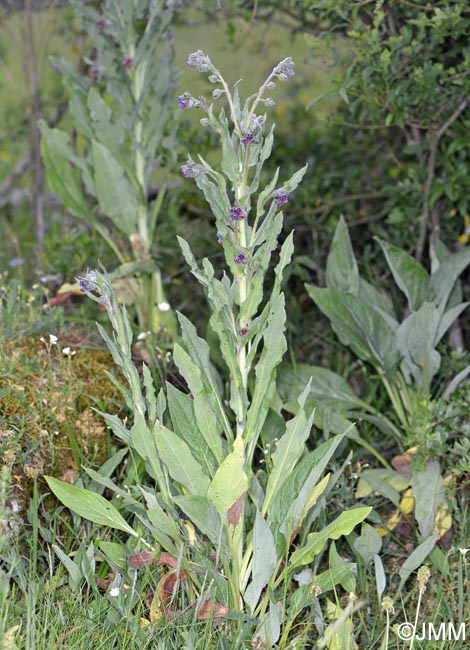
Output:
x,y
203,514
342,525
143,442
181,464
416,338
264,560
446,271
288,450
63,179
410,276
271,356
114,191
230,481
184,423
89,505
362,329
204,408
341,267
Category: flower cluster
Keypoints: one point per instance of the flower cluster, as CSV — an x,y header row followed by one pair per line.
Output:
x,y
284,69
186,100
200,61
191,169
281,197
88,282
247,138
237,213
240,259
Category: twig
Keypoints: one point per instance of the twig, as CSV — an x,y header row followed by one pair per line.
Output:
x,y
435,138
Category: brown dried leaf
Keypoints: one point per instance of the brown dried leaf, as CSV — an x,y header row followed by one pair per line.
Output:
x,y
139,560
235,511
211,609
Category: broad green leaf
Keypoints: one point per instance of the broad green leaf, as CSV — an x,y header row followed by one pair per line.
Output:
x,y
165,528
204,408
114,191
143,442
203,514
230,481
348,581
370,296
380,577
341,267
369,543
342,525
429,493
288,450
89,505
326,386
410,276
198,351
416,559
296,489
416,339
114,552
269,630
61,176
446,274
449,318
184,423
264,560
323,582
359,327
311,491
271,356
373,480
181,464
75,573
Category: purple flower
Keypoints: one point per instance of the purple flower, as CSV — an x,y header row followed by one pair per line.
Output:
x,y
94,74
191,170
247,138
236,213
101,24
219,238
200,61
183,102
240,259
127,62
284,69
88,282
281,197
244,331
16,261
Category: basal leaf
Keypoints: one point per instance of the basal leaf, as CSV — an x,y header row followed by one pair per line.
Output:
x,y
89,505
264,560
342,525
341,267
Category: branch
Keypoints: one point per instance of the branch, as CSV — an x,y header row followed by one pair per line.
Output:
x,y
435,138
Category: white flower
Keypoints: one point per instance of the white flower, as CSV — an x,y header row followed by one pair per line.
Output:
x,y
164,306
68,352
464,551
142,335
114,592
53,339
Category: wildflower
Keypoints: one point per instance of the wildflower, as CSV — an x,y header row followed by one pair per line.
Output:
x,y
244,331
102,23
464,551
284,69
186,100
114,592
53,339
16,261
88,281
240,259
281,197
219,238
247,138
269,102
236,213
127,62
68,352
94,74
164,306
200,61
191,170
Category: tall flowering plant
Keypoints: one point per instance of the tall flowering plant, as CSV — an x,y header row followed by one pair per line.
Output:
x,y
125,129
202,449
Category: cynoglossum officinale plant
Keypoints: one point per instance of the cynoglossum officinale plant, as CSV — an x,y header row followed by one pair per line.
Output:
x,y
199,448
125,127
